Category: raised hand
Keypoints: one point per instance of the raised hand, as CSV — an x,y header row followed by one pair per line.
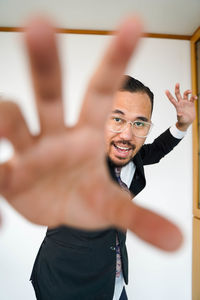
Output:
x,y
60,176
185,107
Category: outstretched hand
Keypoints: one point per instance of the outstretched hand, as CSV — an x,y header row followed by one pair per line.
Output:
x,y
185,107
60,176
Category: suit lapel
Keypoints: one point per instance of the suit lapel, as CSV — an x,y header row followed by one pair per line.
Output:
x,y
138,181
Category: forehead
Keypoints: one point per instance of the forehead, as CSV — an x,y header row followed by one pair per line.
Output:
x,y
132,104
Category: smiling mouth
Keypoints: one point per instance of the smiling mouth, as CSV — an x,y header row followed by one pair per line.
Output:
x,y
122,148
122,151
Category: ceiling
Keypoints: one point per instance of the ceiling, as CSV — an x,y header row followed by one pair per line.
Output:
x,y
180,17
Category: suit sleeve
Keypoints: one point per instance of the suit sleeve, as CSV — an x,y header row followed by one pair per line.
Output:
x,y
162,145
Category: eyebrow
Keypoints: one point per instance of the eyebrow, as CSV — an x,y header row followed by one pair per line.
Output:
x,y
142,119
117,111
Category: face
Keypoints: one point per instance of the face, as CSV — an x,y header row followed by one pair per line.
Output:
x,y
121,147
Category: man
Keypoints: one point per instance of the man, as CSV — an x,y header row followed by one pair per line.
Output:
x,y
74,264
127,128
60,176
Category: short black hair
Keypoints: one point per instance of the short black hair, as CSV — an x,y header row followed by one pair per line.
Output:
x,y
133,85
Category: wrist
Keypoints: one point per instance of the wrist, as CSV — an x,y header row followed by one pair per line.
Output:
x,y
181,126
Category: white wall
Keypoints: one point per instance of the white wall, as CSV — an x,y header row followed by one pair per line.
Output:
x,y
159,64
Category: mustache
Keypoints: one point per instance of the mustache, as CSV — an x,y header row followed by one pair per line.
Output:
x,y
124,143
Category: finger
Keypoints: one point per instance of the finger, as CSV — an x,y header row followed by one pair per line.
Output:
x,y
46,74
13,126
193,98
146,224
177,92
5,177
108,76
171,98
186,94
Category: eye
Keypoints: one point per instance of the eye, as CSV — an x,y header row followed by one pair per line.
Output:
x,y
117,120
139,124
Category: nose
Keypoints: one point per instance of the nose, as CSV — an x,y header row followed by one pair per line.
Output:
x,y
127,133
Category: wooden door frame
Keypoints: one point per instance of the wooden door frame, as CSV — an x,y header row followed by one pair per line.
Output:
x,y
196,210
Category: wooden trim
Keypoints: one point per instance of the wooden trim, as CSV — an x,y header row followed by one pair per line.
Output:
x,y
102,32
85,31
196,35
196,210
196,260
62,30
168,36
11,29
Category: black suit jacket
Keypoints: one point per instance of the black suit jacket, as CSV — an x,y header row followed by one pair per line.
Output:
x,y
81,265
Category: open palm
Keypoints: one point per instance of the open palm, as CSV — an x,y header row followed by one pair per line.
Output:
x,y
60,176
184,105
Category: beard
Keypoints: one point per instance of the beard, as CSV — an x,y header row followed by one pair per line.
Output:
x,y
119,164
122,161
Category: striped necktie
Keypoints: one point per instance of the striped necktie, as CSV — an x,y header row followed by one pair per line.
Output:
x,y
121,183
118,252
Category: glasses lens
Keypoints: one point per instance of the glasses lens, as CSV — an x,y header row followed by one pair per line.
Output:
x,y
116,124
141,128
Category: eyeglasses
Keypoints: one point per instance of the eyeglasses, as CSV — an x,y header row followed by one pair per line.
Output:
x,y
140,128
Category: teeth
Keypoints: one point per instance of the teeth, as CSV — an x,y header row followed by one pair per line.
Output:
x,y
122,148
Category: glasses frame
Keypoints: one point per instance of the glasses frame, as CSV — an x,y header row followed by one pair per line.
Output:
x,y
132,125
